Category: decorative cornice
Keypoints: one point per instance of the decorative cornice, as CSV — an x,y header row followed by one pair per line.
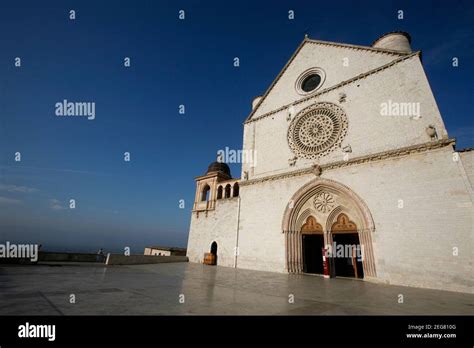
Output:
x,y
403,151
329,89
219,175
221,178
323,43
264,96
359,48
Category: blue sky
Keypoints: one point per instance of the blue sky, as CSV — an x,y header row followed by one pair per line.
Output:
x,y
173,62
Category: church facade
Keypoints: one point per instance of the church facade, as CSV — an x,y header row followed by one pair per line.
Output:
x,y
351,152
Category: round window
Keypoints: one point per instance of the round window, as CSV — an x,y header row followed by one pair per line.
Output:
x,y
311,82
317,130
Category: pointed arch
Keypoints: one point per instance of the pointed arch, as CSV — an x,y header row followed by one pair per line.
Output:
x,y
358,211
311,226
315,187
343,224
303,217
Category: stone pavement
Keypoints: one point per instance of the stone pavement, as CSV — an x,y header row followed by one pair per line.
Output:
x,y
158,289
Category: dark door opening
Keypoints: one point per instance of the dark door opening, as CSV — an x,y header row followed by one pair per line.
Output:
x,y
313,253
350,264
214,252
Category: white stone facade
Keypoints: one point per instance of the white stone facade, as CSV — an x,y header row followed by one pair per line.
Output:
x,y
409,193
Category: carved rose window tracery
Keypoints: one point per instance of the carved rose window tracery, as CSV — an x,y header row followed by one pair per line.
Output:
x,y
324,202
317,130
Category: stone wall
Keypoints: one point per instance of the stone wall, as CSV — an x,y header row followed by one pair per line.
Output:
x,y
425,243
467,160
332,60
48,256
220,226
368,131
121,259
413,245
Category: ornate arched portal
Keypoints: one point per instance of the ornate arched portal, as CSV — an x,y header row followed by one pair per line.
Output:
x,y
326,201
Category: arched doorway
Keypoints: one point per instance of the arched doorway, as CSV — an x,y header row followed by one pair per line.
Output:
x,y
214,251
346,249
325,199
312,244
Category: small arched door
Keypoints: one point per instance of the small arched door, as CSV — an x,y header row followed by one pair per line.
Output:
x,y
214,251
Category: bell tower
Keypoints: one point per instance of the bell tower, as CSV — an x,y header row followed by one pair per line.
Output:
x,y
207,188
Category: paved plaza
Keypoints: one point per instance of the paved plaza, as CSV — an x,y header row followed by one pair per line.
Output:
x,y
187,288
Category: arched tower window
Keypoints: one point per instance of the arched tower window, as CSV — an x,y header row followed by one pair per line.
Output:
x,y
205,193
227,191
235,192
219,192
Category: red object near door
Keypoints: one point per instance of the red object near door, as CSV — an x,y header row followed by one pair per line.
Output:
x,y
325,263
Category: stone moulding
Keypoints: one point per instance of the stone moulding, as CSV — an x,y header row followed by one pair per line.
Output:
x,y
322,43
329,89
324,202
358,47
292,234
357,160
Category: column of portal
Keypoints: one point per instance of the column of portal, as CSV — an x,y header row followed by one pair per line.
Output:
x,y
297,260
293,252
290,252
370,253
368,257
365,261
298,252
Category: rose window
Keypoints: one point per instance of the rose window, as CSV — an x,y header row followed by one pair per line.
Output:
x,y
317,130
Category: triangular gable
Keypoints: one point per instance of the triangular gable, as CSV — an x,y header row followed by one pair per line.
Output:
x,y
392,55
